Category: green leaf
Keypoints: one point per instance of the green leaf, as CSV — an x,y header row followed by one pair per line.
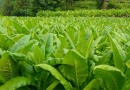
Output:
x,y
20,43
5,41
88,45
95,31
2,30
128,63
93,85
25,64
105,58
56,42
20,57
127,85
127,72
119,54
113,78
52,86
57,75
29,47
84,46
119,37
72,46
8,67
2,80
71,32
63,44
93,48
75,67
19,27
16,37
54,61
39,57
15,83
49,44
26,69
35,36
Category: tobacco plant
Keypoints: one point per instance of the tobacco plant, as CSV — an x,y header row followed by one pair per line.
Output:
x,y
60,53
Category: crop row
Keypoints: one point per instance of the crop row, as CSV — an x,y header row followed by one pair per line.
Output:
x,y
87,13
64,53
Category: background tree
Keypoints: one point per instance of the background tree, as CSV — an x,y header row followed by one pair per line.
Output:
x,y
7,7
32,7
21,8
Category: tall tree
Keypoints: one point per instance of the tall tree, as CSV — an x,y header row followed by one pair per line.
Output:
x,y
7,7
21,8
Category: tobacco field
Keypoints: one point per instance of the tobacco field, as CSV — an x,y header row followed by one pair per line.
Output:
x,y
64,53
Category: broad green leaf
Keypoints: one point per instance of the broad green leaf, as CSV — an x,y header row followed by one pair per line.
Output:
x,y
93,85
128,59
63,44
35,36
54,61
113,78
95,31
39,57
49,44
26,69
30,24
52,86
2,80
119,37
15,83
1,52
57,42
71,32
72,46
84,46
63,41
105,58
93,48
75,67
19,27
57,75
57,52
20,57
16,26
127,43
20,43
5,41
127,85
127,73
118,53
2,30
8,67
128,63
29,47
16,37
89,43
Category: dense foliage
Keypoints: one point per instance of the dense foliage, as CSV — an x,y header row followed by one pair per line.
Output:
x,y
64,53
88,13
32,7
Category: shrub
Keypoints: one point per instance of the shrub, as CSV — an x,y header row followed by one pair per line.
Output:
x,y
90,13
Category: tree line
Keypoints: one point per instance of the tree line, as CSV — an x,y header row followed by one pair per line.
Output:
x,y
32,7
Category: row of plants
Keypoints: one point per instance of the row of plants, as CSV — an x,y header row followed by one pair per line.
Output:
x,y
123,5
64,53
87,13
86,4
